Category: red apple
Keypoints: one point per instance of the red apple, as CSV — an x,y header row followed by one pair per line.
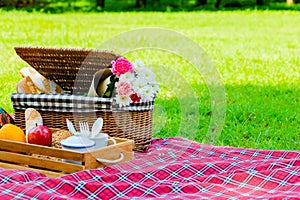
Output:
x,y
40,135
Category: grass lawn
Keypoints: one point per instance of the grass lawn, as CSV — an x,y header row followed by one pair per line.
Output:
x,y
256,54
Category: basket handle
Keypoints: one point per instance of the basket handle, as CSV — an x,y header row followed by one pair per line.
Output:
x,y
111,161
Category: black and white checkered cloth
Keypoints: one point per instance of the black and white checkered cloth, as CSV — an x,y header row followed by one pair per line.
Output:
x,y
135,106
71,103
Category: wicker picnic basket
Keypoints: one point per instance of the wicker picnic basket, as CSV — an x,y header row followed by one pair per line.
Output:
x,y
73,70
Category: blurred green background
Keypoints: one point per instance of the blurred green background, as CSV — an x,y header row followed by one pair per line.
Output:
x,y
58,6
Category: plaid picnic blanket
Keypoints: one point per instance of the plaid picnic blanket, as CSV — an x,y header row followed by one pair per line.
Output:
x,y
172,168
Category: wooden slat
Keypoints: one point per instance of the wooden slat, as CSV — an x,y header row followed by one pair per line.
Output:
x,y
14,155
20,167
38,149
121,143
92,163
111,152
119,140
124,144
39,162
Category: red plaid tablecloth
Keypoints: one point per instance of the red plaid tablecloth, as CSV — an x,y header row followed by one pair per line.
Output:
x,y
172,168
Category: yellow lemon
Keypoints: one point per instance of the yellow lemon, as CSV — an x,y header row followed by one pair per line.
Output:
x,y
12,132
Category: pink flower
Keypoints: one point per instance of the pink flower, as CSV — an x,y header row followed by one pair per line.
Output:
x,y
123,88
121,66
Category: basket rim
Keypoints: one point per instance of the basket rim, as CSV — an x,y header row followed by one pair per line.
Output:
x,y
67,49
73,103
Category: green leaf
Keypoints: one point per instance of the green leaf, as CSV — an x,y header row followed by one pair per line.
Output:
x,y
111,86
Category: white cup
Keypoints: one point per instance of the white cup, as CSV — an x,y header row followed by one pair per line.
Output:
x,y
82,144
101,140
79,144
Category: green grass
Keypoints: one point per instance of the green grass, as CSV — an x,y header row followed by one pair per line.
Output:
x,y
255,52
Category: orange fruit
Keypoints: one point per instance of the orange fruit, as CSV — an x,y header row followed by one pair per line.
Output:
x,y
12,132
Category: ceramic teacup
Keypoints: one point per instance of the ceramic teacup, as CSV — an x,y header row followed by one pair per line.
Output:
x,y
101,140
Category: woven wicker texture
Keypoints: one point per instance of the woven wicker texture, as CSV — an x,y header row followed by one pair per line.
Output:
x,y
134,125
69,66
71,69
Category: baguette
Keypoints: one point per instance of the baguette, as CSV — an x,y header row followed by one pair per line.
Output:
x,y
32,118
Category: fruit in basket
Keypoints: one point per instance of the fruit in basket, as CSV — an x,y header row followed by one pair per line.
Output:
x,y
12,132
40,135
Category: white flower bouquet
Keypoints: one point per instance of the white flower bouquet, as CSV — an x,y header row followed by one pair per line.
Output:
x,y
131,83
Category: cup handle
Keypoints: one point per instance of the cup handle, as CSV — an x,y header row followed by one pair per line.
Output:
x,y
113,140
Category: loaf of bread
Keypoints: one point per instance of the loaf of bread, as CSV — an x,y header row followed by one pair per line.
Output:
x,y
58,136
26,86
32,119
40,82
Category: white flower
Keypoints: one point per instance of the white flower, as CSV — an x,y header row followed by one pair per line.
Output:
x,y
154,87
146,74
127,77
138,64
147,93
140,82
138,85
123,100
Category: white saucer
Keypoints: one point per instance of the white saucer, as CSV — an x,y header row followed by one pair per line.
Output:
x,y
77,142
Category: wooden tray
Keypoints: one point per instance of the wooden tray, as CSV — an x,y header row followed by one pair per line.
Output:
x,y
52,161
